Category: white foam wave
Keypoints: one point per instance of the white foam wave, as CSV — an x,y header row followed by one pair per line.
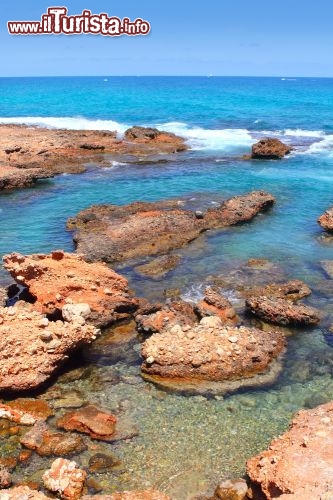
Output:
x,y
303,133
211,139
77,123
325,146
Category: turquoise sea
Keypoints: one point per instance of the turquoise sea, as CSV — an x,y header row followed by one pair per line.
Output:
x,y
188,442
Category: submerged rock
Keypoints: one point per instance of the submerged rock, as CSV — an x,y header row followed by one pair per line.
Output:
x,y
130,495
232,489
33,348
65,478
113,233
64,280
89,420
5,478
298,464
293,290
47,442
159,267
326,220
209,352
282,312
270,149
25,411
22,493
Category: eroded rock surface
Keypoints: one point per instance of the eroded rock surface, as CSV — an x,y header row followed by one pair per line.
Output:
x,y
65,478
59,279
282,312
270,149
32,348
293,290
22,493
209,352
326,220
117,233
298,465
215,304
25,411
153,319
89,420
158,267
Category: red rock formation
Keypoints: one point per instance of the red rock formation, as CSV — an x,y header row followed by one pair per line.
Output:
x,y
65,478
293,290
32,348
270,149
89,420
298,465
209,352
326,220
25,411
116,233
144,135
177,312
22,493
214,304
282,312
59,279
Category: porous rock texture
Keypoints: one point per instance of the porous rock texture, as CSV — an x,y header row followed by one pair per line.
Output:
x,y
59,279
298,465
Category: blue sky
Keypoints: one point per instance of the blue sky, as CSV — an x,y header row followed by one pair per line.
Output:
x,y
222,37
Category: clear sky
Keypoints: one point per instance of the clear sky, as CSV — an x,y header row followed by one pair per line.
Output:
x,y
188,37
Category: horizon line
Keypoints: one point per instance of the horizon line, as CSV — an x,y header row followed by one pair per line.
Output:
x,y
165,76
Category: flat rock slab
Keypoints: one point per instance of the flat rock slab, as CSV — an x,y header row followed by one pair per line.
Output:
x,y
117,233
298,465
89,420
59,279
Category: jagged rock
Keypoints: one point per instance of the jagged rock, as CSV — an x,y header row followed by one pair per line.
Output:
x,y
5,478
326,220
65,478
282,312
209,352
270,149
117,233
215,304
148,134
177,312
61,279
298,465
293,290
22,493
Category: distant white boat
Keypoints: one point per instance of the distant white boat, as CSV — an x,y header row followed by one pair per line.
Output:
x,y
210,75
105,80
283,79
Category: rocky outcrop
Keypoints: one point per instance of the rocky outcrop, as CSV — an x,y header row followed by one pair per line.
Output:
x,y
298,465
282,312
215,304
144,135
47,442
31,153
154,319
65,479
293,290
32,348
89,420
270,149
117,233
25,411
54,281
326,220
209,352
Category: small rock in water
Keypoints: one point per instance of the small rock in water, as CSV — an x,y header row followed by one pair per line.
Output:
x,y
233,489
65,478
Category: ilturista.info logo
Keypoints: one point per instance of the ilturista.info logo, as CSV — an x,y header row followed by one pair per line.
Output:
x,y
57,21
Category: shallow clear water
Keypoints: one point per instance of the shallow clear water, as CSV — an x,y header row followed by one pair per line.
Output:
x,y
186,443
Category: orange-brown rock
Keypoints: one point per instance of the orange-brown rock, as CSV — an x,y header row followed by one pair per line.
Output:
x,y
298,465
293,290
61,279
158,267
326,220
215,304
209,352
31,153
65,479
116,233
32,348
282,312
155,319
89,420
270,149
25,411
22,493
46,442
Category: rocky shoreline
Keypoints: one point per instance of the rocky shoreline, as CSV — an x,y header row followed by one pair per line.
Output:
x,y
67,301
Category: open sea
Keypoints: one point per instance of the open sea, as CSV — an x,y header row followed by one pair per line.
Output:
x,y
187,443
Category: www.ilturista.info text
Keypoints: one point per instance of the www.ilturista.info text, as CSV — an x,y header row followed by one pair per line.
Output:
x,y
57,22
